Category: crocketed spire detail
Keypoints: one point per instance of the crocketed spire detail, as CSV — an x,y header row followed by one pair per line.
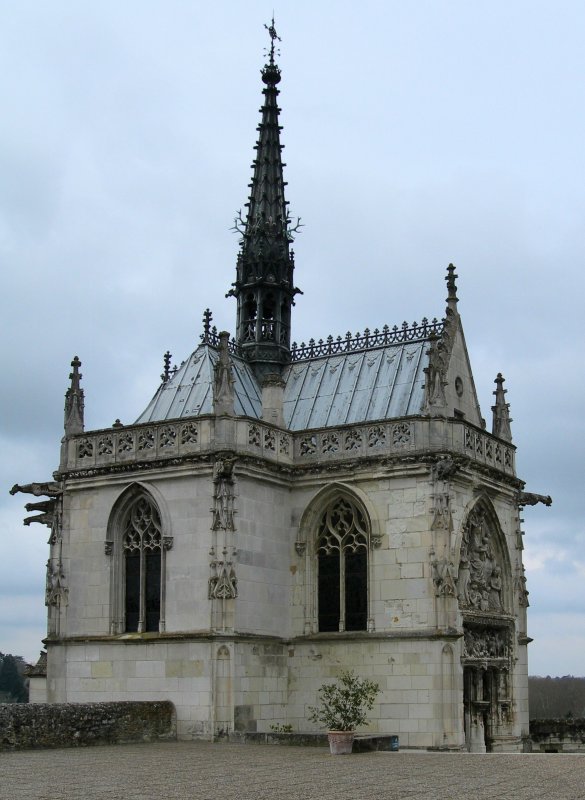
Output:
x,y
264,281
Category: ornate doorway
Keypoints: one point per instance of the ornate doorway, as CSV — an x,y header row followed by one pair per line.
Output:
x,y
483,592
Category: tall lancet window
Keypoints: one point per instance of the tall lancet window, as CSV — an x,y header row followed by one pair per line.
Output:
x,y
342,555
141,543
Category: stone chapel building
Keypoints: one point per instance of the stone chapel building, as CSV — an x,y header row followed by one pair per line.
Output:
x,y
278,513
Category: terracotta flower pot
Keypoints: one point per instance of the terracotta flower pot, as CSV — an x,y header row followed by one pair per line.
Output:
x,y
340,742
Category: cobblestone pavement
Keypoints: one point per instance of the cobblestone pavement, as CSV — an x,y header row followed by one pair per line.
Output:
x,y
198,771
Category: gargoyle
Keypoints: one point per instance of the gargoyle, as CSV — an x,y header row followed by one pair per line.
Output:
x,y
44,505
50,489
444,469
43,519
530,499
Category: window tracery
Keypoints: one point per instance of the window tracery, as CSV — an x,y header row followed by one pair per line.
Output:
x,y
137,545
342,566
141,543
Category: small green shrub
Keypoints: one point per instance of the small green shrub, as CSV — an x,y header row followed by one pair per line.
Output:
x,y
343,706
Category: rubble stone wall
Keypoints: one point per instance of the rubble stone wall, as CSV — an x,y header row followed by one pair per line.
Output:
x,y
26,726
558,735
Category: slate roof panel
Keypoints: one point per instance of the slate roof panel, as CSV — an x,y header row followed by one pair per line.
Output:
x,y
379,383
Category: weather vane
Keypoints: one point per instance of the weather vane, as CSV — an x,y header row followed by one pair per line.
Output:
x,y
273,36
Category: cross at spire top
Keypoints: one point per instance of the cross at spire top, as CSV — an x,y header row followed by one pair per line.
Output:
x,y
273,37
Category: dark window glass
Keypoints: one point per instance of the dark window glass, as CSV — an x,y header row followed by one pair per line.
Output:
x,y
356,591
152,598
132,590
329,591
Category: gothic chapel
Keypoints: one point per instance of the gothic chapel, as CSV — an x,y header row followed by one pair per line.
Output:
x,y
278,513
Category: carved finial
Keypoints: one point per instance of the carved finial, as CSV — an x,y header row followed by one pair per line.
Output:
x,y
501,412
207,317
74,401
452,299
167,367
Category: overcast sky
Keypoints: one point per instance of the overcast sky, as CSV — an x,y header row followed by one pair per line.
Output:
x,y
416,134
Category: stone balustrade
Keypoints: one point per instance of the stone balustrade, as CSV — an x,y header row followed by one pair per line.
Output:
x,y
176,439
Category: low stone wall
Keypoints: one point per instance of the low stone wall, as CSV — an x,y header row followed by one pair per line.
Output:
x,y
39,725
558,735
361,744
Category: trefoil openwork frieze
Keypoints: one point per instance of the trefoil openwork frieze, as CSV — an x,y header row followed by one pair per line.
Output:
x,y
85,448
376,436
254,435
146,440
167,436
330,442
353,440
125,443
105,445
401,434
189,433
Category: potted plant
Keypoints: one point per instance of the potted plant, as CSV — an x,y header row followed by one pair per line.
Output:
x,y
343,707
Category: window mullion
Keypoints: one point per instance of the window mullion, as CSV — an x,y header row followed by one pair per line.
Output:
x,y
142,606
341,587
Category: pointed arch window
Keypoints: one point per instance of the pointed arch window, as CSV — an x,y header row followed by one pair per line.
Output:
x,y
142,548
342,567
137,542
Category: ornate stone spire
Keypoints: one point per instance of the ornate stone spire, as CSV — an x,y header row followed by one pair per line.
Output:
x,y
74,402
501,411
264,280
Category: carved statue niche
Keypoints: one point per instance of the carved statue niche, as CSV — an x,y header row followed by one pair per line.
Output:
x,y
223,495
520,586
443,577
441,473
479,581
223,383
223,584
56,591
435,375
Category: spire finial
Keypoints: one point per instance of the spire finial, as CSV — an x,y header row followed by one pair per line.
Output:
x,y
74,401
501,412
452,298
273,37
207,317
166,367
